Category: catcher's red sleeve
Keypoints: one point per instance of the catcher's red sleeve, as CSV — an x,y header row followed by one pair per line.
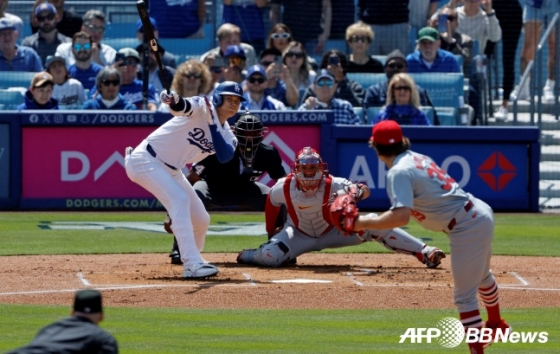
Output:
x,y
271,215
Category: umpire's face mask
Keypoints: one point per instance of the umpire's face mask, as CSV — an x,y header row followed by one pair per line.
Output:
x,y
248,143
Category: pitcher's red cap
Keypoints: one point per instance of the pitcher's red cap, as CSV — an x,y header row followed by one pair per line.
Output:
x,y
386,132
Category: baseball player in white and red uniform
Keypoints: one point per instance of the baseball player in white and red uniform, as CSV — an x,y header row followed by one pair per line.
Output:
x,y
199,128
306,193
419,188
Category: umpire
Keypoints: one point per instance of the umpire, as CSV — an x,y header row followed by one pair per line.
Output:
x,y
233,186
79,333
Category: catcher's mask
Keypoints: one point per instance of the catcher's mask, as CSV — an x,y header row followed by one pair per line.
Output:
x,y
309,170
249,131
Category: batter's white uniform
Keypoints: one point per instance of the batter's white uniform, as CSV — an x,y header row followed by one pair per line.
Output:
x,y
308,227
439,204
185,139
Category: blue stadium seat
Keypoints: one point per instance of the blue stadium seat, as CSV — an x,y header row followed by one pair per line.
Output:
x,y
371,113
120,30
10,79
10,99
366,79
360,112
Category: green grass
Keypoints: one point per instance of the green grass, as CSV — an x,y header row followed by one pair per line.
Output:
x,y
170,330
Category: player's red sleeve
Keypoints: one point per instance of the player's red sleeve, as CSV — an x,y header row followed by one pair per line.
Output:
x,y
271,215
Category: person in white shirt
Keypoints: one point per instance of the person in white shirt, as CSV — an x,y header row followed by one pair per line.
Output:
x,y
257,100
68,91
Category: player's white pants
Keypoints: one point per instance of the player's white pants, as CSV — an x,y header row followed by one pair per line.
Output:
x,y
173,190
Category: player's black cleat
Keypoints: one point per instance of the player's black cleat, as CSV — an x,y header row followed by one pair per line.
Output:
x,y
175,257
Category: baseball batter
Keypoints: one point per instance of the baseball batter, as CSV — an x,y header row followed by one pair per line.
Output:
x,y
199,128
419,188
306,193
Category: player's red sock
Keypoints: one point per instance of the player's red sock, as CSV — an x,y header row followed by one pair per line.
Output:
x,y
489,297
472,319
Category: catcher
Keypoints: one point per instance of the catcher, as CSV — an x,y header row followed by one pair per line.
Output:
x,y
306,193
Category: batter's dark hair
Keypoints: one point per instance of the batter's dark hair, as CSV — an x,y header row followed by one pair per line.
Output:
x,y
391,150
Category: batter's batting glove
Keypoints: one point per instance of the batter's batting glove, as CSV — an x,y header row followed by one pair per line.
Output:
x,y
344,213
170,99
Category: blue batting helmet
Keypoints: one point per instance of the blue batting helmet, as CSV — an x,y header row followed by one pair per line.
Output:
x,y
228,88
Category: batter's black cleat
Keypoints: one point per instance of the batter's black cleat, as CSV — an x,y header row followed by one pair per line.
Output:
x,y
175,257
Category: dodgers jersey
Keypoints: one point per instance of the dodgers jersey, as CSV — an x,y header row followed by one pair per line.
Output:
x,y
309,214
416,182
186,138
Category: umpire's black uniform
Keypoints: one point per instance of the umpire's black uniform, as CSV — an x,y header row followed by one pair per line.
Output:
x,y
232,186
70,335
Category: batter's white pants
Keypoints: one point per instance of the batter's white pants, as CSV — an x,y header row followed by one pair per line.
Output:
x,y
173,190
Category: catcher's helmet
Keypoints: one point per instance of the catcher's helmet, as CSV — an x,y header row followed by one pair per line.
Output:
x,y
226,88
309,170
249,132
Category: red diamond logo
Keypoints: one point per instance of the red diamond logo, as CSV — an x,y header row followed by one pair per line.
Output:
x,y
497,171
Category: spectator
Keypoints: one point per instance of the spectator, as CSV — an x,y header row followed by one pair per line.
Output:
x,y
247,15
295,58
343,14
359,37
47,38
83,69
279,84
235,62
154,76
68,22
132,88
179,19
216,72
192,78
77,333
39,94
229,34
324,88
453,41
306,25
12,56
429,57
389,21
167,58
108,83
376,95
15,20
279,37
403,103
256,97
94,25
68,91
533,18
510,15
478,20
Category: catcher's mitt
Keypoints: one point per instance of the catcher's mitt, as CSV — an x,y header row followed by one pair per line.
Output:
x,y
343,212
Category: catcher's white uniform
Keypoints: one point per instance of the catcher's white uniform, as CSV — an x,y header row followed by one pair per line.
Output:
x,y
309,228
156,165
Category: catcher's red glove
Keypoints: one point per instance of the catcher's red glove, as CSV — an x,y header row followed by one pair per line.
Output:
x,y
343,212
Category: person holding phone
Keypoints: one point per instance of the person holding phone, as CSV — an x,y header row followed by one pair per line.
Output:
x,y
279,83
336,63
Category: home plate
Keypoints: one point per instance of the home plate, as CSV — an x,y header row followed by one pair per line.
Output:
x,y
301,281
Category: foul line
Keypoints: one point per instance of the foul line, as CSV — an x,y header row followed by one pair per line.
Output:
x,y
83,279
520,278
351,277
248,277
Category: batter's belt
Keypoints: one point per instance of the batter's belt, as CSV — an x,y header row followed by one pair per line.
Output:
x,y
152,152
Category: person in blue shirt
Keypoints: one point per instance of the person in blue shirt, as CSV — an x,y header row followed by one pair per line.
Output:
x,y
178,19
403,103
39,94
429,58
12,56
248,15
84,69
256,96
108,82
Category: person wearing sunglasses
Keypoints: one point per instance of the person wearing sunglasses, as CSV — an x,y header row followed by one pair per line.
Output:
x,y
108,83
68,23
154,76
403,103
94,24
295,58
255,95
39,94
324,88
279,37
230,34
235,61
132,89
279,84
14,57
68,91
167,58
47,38
359,37
191,79
376,95
83,69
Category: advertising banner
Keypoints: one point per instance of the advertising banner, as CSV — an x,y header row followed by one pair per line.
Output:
x,y
4,161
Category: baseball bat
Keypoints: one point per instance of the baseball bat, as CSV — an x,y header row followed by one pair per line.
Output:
x,y
149,33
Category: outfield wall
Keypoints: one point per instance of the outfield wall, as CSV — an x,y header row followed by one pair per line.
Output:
x,y
74,160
